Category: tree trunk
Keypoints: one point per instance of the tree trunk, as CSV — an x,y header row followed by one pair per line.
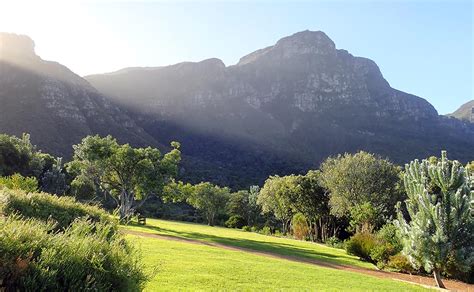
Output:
x,y
437,277
126,203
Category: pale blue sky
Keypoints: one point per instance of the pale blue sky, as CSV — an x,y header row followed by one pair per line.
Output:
x,y
422,47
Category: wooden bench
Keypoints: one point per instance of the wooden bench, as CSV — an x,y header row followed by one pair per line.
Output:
x,y
141,219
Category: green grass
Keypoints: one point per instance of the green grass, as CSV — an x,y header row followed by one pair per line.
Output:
x,y
251,240
180,266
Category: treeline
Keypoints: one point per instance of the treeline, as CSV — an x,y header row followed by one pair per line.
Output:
x,y
416,219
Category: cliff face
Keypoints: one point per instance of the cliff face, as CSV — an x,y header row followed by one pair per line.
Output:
x,y
281,109
57,107
301,99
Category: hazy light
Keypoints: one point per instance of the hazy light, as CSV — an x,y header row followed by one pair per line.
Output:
x,y
65,30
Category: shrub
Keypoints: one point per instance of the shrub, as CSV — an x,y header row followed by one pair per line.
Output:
x,y
389,233
246,228
85,256
235,221
43,206
333,241
361,245
299,226
266,231
19,182
399,263
388,244
254,229
278,233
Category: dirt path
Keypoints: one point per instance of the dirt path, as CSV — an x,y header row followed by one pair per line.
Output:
x,y
420,280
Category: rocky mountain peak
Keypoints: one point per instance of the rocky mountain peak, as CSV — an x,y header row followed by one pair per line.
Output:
x,y
307,42
15,47
301,43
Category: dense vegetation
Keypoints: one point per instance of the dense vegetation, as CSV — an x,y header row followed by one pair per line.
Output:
x,y
49,243
417,220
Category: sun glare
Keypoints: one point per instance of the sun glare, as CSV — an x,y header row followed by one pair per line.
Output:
x,y
59,30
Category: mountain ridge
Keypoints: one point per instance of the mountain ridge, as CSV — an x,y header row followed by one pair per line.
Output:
x,y
279,110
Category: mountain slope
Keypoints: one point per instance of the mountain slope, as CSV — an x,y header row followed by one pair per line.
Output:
x,y
57,107
300,100
465,112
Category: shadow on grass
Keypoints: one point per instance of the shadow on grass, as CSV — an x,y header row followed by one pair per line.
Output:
x,y
256,245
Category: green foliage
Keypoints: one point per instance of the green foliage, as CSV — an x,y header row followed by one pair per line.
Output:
x,y
333,241
275,198
207,198
376,248
299,226
235,221
399,263
362,218
246,228
360,180
42,206
361,245
244,204
18,155
18,182
266,230
440,229
53,181
127,174
85,257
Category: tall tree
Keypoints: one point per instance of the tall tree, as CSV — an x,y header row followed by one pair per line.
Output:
x,y
312,200
362,178
440,226
129,175
18,155
209,199
244,204
275,197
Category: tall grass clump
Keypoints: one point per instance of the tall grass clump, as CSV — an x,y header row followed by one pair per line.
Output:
x,y
85,256
43,206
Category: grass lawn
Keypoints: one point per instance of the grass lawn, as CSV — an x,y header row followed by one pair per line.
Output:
x,y
251,240
182,266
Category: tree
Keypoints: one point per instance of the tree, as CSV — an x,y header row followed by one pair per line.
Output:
x,y
244,204
440,225
312,200
209,199
129,175
18,155
53,181
275,197
362,178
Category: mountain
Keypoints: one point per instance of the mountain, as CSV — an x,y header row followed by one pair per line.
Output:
x,y
465,112
298,101
57,107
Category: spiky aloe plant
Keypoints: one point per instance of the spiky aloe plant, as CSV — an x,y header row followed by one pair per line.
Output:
x,y
440,227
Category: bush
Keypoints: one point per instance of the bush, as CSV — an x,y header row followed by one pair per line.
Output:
x,y
246,228
334,242
19,182
85,256
399,263
300,226
266,231
388,244
235,221
278,233
43,206
254,229
361,245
